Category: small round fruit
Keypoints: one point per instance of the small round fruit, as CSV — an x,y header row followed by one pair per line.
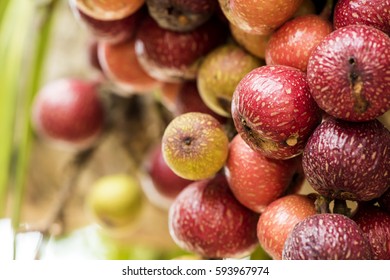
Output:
x,y
326,237
293,43
348,73
195,146
254,179
69,112
115,201
348,160
220,72
375,224
279,219
206,219
274,112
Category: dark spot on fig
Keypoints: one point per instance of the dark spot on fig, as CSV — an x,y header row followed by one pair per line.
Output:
x,y
170,10
357,87
187,140
258,141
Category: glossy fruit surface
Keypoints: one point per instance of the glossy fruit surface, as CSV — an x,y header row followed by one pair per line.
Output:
x,y
206,219
375,224
254,179
274,112
347,160
293,43
348,73
279,219
326,237
373,13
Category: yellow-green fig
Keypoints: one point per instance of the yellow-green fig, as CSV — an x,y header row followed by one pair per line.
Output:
x,y
220,73
115,200
195,146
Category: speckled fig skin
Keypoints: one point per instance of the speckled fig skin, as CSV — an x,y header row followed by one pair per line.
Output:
x,y
207,219
293,43
254,179
171,56
326,237
348,73
348,160
279,219
220,72
195,146
259,16
181,15
69,113
373,13
274,112
375,224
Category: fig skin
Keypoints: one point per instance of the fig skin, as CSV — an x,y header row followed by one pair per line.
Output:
x,y
274,112
279,219
207,219
348,160
384,200
195,146
373,13
375,224
348,73
326,237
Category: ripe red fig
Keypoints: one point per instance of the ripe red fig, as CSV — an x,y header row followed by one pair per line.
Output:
x,y
279,219
293,43
172,56
348,73
206,219
374,13
254,179
69,111
375,224
348,160
274,112
326,237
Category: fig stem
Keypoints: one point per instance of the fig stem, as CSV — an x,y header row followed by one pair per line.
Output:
x,y
322,204
340,207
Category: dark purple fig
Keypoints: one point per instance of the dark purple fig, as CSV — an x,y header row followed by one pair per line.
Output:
x,y
375,13
348,160
348,73
375,224
326,237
